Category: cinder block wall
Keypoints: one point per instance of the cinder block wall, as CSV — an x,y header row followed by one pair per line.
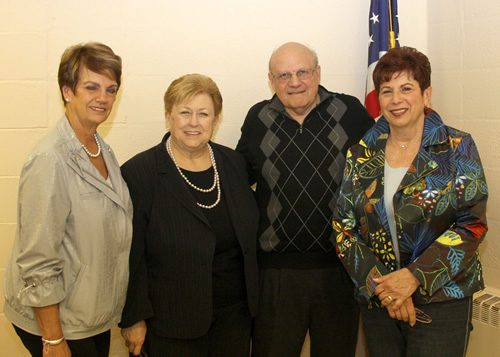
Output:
x,y
464,50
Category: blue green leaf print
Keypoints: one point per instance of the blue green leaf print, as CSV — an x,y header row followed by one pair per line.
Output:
x,y
432,128
449,198
453,200
438,181
482,187
443,204
455,257
468,166
471,190
439,278
474,271
376,131
358,257
452,290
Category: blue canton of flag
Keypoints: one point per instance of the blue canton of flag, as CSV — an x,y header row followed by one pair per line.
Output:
x,y
380,26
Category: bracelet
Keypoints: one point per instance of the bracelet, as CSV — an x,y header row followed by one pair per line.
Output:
x,y
48,343
52,342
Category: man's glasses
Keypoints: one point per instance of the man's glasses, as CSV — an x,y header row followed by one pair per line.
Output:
x,y
422,316
301,74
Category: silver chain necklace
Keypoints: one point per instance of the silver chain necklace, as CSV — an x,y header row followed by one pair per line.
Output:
x,y
98,148
204,190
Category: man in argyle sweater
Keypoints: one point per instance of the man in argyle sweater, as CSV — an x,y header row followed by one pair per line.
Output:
x,y
295,146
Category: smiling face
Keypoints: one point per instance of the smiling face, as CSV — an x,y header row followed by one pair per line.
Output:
x,y
402,101
92,101
297,96
191,124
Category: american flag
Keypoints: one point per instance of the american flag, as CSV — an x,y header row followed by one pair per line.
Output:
x,y
380,27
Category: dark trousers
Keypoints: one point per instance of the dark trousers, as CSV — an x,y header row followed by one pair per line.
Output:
x,y
97,345
293,301
228,336
446,336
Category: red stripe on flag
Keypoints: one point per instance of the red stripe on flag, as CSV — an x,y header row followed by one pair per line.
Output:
x,y
371,104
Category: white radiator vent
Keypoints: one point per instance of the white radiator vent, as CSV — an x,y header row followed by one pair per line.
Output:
x,y
486,308
485,336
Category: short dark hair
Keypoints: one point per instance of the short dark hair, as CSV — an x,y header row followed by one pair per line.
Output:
x,y
403,59
94,56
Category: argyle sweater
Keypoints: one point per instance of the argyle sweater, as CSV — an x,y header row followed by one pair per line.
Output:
x,y
298,170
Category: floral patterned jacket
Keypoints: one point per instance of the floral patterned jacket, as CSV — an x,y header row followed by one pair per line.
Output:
x,y
439,209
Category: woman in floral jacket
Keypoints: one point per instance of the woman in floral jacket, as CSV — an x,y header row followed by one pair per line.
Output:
x,y
410,218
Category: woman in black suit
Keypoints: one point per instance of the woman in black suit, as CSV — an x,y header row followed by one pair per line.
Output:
x,y
193,269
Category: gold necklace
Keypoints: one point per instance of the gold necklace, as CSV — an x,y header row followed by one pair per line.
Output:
x,y
403,146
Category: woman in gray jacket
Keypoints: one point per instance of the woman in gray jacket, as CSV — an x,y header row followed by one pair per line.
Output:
x,y
67,277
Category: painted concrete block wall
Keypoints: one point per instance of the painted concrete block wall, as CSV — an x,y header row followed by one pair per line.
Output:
x,y
229,40
464,49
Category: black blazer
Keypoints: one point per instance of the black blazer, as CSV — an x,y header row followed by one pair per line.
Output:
x,y
173,244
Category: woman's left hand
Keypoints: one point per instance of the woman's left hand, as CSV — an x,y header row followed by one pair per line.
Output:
x,y
395,288
135,336
405,313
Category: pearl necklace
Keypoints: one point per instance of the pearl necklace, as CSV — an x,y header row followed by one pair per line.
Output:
x,y
204,190
98,148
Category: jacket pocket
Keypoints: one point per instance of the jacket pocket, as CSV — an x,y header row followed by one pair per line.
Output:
x,y
76,286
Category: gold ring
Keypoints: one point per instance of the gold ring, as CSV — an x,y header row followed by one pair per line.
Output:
x,y
389,297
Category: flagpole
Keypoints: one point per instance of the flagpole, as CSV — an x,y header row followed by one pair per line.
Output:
x,y
392,37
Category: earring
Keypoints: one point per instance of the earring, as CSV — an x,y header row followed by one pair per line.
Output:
x,y
67,100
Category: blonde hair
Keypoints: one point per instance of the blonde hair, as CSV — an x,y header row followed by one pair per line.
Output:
x,y
187,87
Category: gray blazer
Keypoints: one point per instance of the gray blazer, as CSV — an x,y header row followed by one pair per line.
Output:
x,y
73,238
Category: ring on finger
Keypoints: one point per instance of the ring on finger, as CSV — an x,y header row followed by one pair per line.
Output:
x,y
389,297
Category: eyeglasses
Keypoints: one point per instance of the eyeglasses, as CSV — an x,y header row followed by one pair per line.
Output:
x,y
301,74
423,317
